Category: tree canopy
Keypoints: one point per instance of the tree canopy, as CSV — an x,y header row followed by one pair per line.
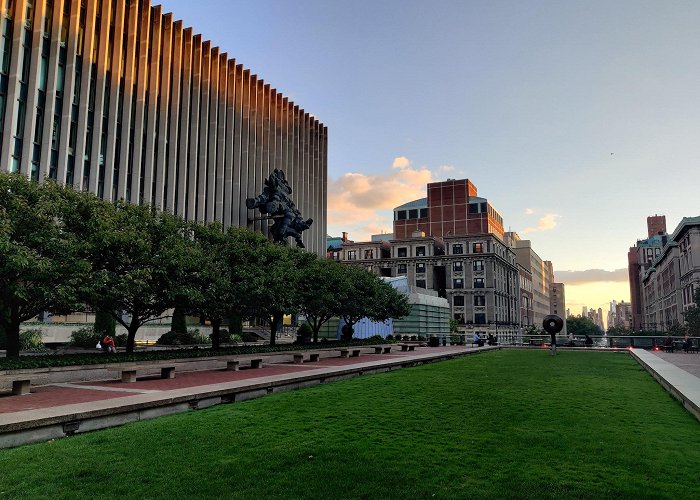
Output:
x,y
581,325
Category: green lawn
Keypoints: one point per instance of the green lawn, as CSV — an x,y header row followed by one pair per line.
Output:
x,y
502,424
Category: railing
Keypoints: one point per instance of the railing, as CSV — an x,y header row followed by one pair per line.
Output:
x,y
598,341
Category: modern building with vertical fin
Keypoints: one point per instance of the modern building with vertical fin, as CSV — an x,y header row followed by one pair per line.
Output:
x,y
117,98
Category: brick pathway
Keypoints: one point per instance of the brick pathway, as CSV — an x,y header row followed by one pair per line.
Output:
x,y
56,395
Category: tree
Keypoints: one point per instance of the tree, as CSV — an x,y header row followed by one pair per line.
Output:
x,y
276,290
140,263
692,316
320,287
105,324
581,325
617,331
230,267
388,303
40,264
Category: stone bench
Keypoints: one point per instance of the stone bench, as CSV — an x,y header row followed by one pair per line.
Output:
x,y
313,357
387,349
378,350
351,353
20,387
256,363
408,347
129,374
299,358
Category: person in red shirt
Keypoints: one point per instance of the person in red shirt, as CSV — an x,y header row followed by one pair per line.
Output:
x,y
108,344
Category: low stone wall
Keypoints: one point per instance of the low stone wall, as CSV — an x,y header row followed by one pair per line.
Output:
x,y
60,332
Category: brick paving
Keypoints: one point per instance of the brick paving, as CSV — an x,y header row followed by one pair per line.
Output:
x,y
56,395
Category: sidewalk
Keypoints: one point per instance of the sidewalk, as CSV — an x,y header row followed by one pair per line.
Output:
x,y
678,373
59,409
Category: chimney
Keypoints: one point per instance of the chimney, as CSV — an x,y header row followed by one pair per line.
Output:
x,y
345,236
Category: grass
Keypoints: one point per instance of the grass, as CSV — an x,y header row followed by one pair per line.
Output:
x,y
506,424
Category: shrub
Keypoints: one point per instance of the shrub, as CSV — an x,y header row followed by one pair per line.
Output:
x,y
249,336
179,321
405,338
30,340
414,338
191,337
234,338
390,337
375,338
421,338
105,324
305,330
85,337
457,339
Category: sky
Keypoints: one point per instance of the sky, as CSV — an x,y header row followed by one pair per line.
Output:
x,y
576,119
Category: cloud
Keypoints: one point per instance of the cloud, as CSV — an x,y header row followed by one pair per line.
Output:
x,y
529,211
446,168
401,162
361,204
591,276
545,223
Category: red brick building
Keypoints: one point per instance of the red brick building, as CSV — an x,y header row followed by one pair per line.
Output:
x,y
451,208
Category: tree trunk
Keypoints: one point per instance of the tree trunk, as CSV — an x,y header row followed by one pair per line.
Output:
x,y
12,338
215,335
131,337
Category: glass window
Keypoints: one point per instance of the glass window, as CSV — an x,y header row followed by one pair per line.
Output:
x,y
457,249
420,283
352,254
478,282
402,269
402,252
479,300
458,300
420,251
420,267
480,318
458,283
478,265
369,254
423,213
473,208
400,215
457,266
413,213
477,247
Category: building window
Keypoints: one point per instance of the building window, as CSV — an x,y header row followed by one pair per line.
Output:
x,y
352,254
459,318
420,267
457,249
420,283
477,248
420,251
402,252
458,283
423,213
402,269
369,254
400,215
478,265
457,266
479,300
480,318
458,300
478,282
473,208
413,213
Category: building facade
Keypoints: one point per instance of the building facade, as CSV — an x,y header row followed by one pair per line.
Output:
x,y
639,260
557,300
477,274
668,285
452,207
117,98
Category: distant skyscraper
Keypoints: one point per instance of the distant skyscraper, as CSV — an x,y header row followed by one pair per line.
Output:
x,y
584,312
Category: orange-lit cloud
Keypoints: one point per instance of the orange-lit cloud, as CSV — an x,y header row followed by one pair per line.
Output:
x,y
529,211
591,276
361,204
545,223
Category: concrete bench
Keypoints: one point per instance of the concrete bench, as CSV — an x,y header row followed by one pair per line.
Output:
x,y
378,350
20,387
256,363
298,359
408,347
387,350
233,365
344,353
129,374
355,353
314,357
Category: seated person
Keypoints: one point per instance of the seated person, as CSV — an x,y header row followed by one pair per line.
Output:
x,y
491,339
668,341
477,340
589,340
